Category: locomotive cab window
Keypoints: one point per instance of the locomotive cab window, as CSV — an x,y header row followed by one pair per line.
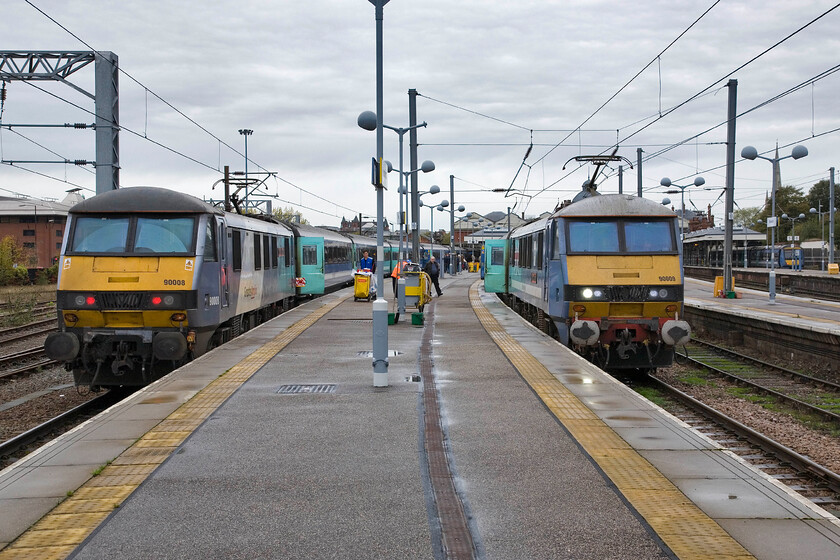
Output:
x,y
210,242
99,235
649,237
622,236
164,235
138,235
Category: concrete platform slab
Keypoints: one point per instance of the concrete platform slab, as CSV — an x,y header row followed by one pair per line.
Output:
x,y
780,540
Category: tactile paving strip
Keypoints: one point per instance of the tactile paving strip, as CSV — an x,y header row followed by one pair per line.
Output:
x,y
59,532
687,531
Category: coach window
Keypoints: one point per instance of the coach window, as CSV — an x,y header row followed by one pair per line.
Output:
x,y
257,252
309,255
538,250
237,249
287,255
273,251
497,256
266,252
210,242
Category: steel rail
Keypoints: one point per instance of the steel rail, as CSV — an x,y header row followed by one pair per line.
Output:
x,y
11,446
825,414
827,477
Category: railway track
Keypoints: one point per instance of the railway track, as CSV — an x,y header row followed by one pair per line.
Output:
x,y
803,392
13,449
24,362
12,334
811,480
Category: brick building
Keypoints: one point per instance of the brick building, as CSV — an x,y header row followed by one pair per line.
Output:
x,y
37,225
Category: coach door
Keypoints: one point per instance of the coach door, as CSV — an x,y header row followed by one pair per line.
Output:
x,y
495,259
222,236
310,258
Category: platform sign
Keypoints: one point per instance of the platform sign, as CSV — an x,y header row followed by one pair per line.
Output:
x,y
379,173
771,221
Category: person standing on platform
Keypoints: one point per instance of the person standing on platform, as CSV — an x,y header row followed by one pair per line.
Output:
x,y
396,273
432,268
447,260
367,263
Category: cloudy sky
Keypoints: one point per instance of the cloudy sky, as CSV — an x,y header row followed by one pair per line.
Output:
x,y
493,77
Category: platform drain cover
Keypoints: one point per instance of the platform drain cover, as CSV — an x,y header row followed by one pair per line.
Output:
x,y
369,354
298,389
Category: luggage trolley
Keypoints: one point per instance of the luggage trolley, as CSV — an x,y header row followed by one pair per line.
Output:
x,y
418,287
362,289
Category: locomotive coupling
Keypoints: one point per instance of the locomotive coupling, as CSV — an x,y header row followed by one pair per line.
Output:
x,y
585,333
675,333
61,346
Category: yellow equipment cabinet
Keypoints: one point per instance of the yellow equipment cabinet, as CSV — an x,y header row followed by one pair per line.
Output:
x,y
417,287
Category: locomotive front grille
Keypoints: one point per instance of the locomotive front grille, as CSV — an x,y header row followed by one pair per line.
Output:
x,y
121,300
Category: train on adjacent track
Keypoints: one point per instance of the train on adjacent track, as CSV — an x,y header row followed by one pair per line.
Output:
x,y
602,274
150,278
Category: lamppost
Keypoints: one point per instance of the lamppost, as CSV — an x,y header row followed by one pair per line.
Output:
x,y
793,219
434,189
666,182
452,210
246,132
822,235
367,120
426,167
380,306
750,153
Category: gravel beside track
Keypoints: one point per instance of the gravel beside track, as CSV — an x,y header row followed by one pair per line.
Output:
x,y
22,417
819,446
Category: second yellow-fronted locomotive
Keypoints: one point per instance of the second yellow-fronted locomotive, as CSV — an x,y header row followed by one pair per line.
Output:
x,y
150,275
603,275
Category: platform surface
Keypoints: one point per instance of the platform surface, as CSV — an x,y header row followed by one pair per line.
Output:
x,y
551,457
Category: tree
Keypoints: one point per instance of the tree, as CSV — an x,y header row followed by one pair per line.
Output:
x,y
789,200
289,215
11,253
750,217
818,198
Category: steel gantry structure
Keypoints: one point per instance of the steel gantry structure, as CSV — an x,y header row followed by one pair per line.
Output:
x,y
57,66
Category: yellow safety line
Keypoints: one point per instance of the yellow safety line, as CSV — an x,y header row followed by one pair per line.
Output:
x,y
59,532
687,531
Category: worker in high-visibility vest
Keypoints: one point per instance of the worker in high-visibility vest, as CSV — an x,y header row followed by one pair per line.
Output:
x,y
396,273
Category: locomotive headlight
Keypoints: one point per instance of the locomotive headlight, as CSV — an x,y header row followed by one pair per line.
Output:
x,y
654,293
168,300
663,293
82,300
587,293
598,293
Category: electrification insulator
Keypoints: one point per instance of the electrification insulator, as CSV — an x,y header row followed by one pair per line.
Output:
x,y
80,162
79,125
3,92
